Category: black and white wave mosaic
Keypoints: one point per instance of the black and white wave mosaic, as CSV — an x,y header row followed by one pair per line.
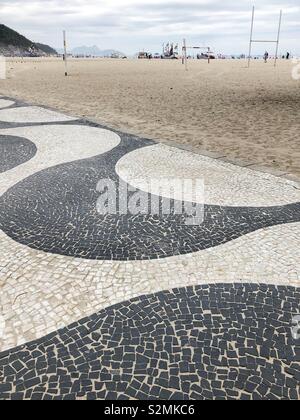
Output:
x,y
14,151
207,342
54,210
215,341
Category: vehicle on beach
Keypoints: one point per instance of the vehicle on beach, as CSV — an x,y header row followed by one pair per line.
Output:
x,y
144,55
117,55
206,56
172,57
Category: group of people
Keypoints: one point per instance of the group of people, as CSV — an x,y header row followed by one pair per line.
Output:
x,y
266,56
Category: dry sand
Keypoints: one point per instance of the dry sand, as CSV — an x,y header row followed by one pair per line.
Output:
x,y
248,114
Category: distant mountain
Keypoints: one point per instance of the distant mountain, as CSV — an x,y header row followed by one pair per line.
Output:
x,y
84,50
94,51
14,44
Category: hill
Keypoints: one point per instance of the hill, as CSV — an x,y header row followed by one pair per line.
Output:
x,y
14,44
46,48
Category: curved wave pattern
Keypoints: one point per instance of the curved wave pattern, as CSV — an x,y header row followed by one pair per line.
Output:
x,y
204,342
51,204
32,114
46,292
57,144
55,211
5,103
219,341
225,184
14,151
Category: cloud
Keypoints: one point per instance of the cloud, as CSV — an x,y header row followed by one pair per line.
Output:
x,y
131,25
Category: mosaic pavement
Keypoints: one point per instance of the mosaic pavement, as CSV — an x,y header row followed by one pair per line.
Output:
x,y
140,306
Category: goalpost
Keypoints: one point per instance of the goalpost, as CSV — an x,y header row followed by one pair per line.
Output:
x,y
65,53
253,41
184,53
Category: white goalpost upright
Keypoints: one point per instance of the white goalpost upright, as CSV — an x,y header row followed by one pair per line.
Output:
x,y
65,53
254,41
184,53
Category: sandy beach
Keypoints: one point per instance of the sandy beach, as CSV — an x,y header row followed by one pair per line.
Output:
x,y
246,114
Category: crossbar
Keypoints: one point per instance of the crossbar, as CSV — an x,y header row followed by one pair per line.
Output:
x,y
252,41
184,52
198,48
272,42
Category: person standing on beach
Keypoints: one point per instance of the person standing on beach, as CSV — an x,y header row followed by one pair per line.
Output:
x,y
288,55
266,56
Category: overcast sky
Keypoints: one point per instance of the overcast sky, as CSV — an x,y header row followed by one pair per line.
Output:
x,y
133,25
